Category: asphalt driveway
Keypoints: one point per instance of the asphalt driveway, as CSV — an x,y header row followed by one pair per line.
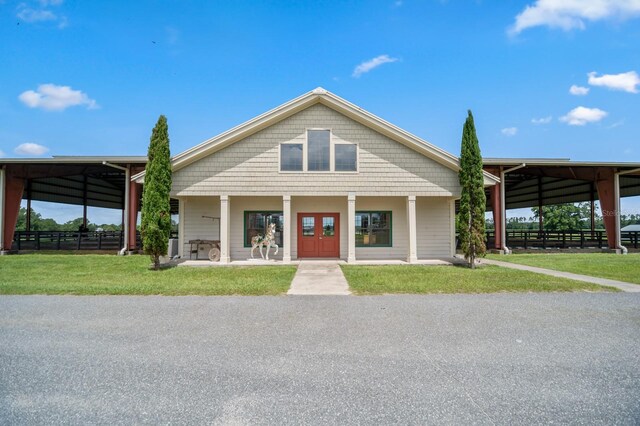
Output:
x,y
486,359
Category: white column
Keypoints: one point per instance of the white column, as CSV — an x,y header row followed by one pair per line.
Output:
x,y
286,231
412,255
225,229
351,231
181,214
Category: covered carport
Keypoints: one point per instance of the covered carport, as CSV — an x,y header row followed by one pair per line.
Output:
x,y
531,182
95,181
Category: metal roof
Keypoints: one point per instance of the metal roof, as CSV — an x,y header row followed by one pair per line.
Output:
x,y
560,162
73,159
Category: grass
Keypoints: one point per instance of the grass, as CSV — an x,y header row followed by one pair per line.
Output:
x,y
103,274
604,265
452,279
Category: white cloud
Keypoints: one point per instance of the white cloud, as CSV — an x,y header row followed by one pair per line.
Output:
x,y
33,15
56,98
30,149
2,155
578,90
581,115
509,131
627,81
572,14
367,66
543,120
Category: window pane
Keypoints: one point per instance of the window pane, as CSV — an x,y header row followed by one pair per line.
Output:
x,y
308,226
346,158
318,148
256,223
328,229
362,229
291,157
373,229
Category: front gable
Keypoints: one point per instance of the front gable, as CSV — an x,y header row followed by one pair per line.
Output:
x,y
251,165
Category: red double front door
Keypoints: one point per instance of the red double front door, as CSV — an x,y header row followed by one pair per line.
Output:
x,y
318,234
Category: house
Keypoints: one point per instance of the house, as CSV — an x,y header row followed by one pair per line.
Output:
x,y
337,181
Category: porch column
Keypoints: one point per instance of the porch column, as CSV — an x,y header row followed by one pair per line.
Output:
x,y
286,231
181,214
225,229
351,225
412,256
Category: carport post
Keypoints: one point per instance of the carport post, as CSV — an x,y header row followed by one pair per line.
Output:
x,y
2,196
503,213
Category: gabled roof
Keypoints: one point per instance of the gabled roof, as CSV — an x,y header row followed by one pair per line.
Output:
x,y
324,97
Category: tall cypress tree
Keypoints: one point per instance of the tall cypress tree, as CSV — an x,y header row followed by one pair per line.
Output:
x,y
156,206
473,199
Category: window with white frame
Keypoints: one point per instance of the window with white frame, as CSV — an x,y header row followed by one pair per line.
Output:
x,y
318,153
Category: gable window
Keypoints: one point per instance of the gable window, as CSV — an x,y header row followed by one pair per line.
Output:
x,y
319,152
373,229
256,222
345,157
291,157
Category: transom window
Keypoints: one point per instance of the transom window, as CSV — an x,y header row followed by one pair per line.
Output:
x,y
373,229
319,153
256,223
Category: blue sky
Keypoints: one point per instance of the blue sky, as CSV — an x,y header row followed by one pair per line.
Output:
x,y
91,78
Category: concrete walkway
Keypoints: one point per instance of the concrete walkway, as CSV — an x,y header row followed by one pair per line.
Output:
x,y
621,285
319,278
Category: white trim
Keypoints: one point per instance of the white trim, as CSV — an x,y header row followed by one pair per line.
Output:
x,y
305,154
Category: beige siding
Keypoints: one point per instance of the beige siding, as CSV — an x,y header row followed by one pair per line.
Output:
x,y
251,166
399,232
197,227
434,222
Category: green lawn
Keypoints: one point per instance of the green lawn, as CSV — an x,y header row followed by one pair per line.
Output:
x,y
603,265
104,274
454,279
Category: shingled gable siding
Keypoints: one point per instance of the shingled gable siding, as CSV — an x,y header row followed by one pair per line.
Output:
x,y
250,166
434,224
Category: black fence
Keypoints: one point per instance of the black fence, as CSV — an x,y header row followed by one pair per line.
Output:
x,y
562,239
72,240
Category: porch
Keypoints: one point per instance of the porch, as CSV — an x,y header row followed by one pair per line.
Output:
x,y
349,228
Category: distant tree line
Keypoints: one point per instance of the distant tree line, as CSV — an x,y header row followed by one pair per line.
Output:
x,y
562,217
38,223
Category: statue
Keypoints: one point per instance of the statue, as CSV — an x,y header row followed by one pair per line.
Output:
x,y
267,241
